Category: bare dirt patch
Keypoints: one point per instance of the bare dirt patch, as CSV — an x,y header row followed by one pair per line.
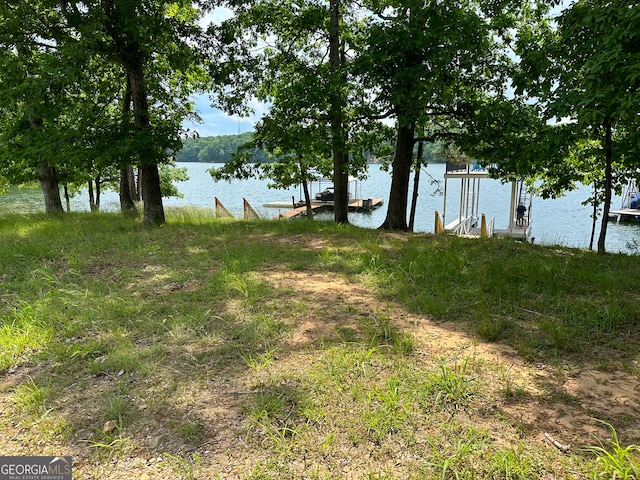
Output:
x,y
563,399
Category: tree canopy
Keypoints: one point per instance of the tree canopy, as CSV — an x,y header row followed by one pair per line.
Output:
x,y
92,88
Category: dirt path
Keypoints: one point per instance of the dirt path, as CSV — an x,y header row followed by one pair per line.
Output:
x,y
561,399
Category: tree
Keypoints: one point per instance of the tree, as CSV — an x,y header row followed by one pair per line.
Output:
x,y
303,75
150,44
29,90
430,65
587,71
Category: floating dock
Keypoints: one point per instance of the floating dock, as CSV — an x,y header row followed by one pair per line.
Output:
x,y
625,215
355,205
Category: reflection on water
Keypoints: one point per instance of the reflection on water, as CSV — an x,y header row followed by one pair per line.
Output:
x,y
564,221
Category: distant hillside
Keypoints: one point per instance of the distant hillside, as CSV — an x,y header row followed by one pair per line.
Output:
x,y
215,149
220,148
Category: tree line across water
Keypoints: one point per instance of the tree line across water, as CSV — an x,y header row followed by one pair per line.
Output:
x,y
100,89
222,149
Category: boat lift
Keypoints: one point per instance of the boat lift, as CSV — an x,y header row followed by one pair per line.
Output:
x,y
468,217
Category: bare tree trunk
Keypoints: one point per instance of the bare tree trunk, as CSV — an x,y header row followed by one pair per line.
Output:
x,y
67,198
398,195
608,156
98,192
127,179
50,188
340,159
594,215
138,195
150,184
305,187
127,204
416,184
92,198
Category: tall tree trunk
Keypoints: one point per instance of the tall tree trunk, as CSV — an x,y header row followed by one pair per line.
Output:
x,y
305,187
398,196
608,158
67,199
50,188
594,214
138,187
92,197
98,192
127,204
151,194
340,158
127,180
416,185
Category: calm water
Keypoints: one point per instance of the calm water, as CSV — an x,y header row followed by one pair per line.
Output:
x,y
563,221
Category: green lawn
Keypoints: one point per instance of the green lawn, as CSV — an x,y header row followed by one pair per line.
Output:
x,y
270,349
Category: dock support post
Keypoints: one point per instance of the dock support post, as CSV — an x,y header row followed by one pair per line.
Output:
x,y
438,228
483,227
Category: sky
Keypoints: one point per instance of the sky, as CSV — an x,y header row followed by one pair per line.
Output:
x,y
215,122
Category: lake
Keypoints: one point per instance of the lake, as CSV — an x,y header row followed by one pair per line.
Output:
x,y
564,221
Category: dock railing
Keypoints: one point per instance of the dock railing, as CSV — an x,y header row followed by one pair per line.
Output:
x,y
491,224
465,226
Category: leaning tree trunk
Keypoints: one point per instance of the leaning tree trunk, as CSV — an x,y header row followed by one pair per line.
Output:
x,y
398,196
305,187
416,185
50,188
340,159
608,155
151,193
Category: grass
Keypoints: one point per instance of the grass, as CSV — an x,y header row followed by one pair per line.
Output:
x,y
281,349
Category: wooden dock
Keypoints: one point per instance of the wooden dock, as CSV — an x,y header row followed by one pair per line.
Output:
x,y
356,205
625,215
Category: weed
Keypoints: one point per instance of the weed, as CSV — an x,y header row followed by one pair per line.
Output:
x,y
494,329
513,464
185,469
455,460
616,461
115,406
510,389
380,331
31,398
559,336
450,385
274,411
387,411
259,361
192,432
112,444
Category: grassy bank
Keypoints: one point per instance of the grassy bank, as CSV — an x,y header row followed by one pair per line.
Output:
x,y
217,349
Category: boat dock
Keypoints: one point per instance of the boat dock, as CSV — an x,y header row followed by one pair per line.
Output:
x,y
469,222
625,215
355,205
629,210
